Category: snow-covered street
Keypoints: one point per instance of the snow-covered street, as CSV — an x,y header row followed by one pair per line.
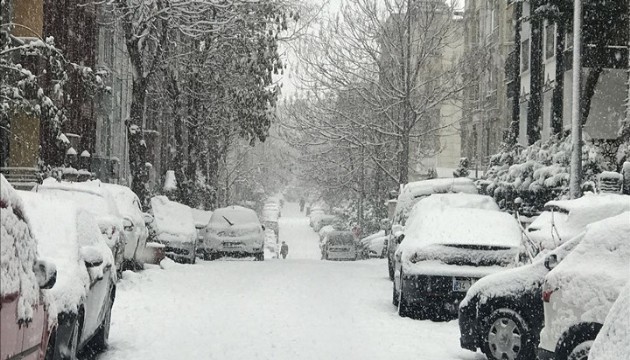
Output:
x,y
299,308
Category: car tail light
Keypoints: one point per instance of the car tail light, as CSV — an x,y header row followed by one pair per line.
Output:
x,y
546,295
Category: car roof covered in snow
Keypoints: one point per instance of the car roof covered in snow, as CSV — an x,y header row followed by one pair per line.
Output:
x,y
414,191
597,269
564,219
18,250
462,226
90,195
201,217
62,229
173,222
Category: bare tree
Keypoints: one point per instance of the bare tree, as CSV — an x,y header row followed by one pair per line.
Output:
x,y
400,58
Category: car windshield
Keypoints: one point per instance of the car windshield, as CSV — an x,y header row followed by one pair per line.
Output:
x,y
344,239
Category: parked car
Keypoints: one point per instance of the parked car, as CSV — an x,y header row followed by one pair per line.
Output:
x,y
561,220
322,220
270,217
410,195
580,291
99,202
374,244
445,251
135,224
613,340
86,278
315,212
234,231
339,245
23,280
201,219
509,305
174,227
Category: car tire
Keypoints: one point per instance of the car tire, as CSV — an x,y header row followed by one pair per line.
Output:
x,y
576,341
506,335
581,351
390,268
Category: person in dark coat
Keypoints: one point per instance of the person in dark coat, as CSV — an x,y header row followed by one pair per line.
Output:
x,y
284,250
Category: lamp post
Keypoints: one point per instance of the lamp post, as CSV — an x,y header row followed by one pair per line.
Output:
x,y
576,120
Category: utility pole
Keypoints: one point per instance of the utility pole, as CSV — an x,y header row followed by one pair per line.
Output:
x,y
576,121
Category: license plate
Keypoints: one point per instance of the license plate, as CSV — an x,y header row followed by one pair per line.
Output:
x,y
462,285
231,244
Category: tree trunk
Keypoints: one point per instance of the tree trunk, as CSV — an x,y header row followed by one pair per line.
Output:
x,y
536,71
558,91
135,140
516,95
590,84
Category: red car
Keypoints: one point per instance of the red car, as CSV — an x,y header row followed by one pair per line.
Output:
x,y
25,331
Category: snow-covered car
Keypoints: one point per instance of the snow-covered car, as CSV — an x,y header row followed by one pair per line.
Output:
x,y
174,227
271,243
339,245
86,279
24,280
445,251
580,291
270,216
509,305
94,198
613,340
323,232
135,224
316,211
375,244
561,220
410,195
323,220
234,231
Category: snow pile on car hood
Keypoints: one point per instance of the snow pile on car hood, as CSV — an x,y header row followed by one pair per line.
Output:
x,y
173,221
201,217
613,340
62,229
18,252
459,200
570,217
595,271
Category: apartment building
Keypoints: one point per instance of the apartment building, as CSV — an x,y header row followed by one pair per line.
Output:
x,y
488,48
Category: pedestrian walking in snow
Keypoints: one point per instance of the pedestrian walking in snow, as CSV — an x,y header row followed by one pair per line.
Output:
x,y
284,250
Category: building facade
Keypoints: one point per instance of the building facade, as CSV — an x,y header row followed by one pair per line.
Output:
x,y
488,46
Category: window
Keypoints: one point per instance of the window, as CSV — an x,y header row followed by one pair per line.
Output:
x,y
525,55
550,41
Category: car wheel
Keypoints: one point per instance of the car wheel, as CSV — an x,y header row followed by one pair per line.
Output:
x,y
391,268
581,351
101,338
507,336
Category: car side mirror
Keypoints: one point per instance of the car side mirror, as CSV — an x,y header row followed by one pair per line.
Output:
x,y
551,261
45,273
127,224
400,238
91,256
148,218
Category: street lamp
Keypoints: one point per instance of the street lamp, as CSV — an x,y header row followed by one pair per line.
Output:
x,y
575,179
